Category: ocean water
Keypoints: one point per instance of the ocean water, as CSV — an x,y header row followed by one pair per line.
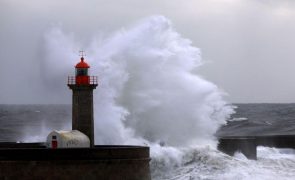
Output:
x,y
31,123
261,119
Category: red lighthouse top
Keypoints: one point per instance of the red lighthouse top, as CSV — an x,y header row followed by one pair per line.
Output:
x,y
82,77
82,64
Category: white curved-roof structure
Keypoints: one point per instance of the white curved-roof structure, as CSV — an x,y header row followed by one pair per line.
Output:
x,y
67,139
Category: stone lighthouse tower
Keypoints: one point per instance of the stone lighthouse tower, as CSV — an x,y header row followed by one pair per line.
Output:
x,y
82,101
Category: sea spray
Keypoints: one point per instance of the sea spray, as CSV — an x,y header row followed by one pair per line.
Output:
x,y
147,90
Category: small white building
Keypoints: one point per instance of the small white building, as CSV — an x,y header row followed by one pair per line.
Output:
x,y
67,139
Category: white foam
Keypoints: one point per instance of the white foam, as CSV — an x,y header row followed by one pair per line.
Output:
x,y
238,119
148,90
207,163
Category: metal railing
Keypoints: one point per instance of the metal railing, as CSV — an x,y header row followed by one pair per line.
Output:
x,y
93,80
71,80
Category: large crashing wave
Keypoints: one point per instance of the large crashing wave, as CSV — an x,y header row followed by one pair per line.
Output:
x,y
147,91
146,73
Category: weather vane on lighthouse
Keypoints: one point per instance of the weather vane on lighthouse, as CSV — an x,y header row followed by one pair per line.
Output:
x,y
82,53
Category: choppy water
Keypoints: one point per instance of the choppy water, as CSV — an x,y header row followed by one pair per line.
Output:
x,y
261,119
33,122
17,121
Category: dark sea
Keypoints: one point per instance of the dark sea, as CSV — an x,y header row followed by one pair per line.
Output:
x,y
260,119
31,122
20,121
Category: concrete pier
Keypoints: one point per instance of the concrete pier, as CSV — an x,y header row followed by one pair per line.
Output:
x,y
99,162
247,144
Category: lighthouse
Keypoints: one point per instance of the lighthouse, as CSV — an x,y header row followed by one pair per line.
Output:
x,y
82,86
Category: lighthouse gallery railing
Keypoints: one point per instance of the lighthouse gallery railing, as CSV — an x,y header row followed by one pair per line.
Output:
x,y
93,80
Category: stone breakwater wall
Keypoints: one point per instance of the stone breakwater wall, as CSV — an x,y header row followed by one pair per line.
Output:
x,y
248,144
19,161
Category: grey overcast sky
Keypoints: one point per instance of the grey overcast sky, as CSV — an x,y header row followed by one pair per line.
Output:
x,y
248,45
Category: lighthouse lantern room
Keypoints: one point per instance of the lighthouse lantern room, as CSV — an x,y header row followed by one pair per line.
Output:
x,y
82,72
